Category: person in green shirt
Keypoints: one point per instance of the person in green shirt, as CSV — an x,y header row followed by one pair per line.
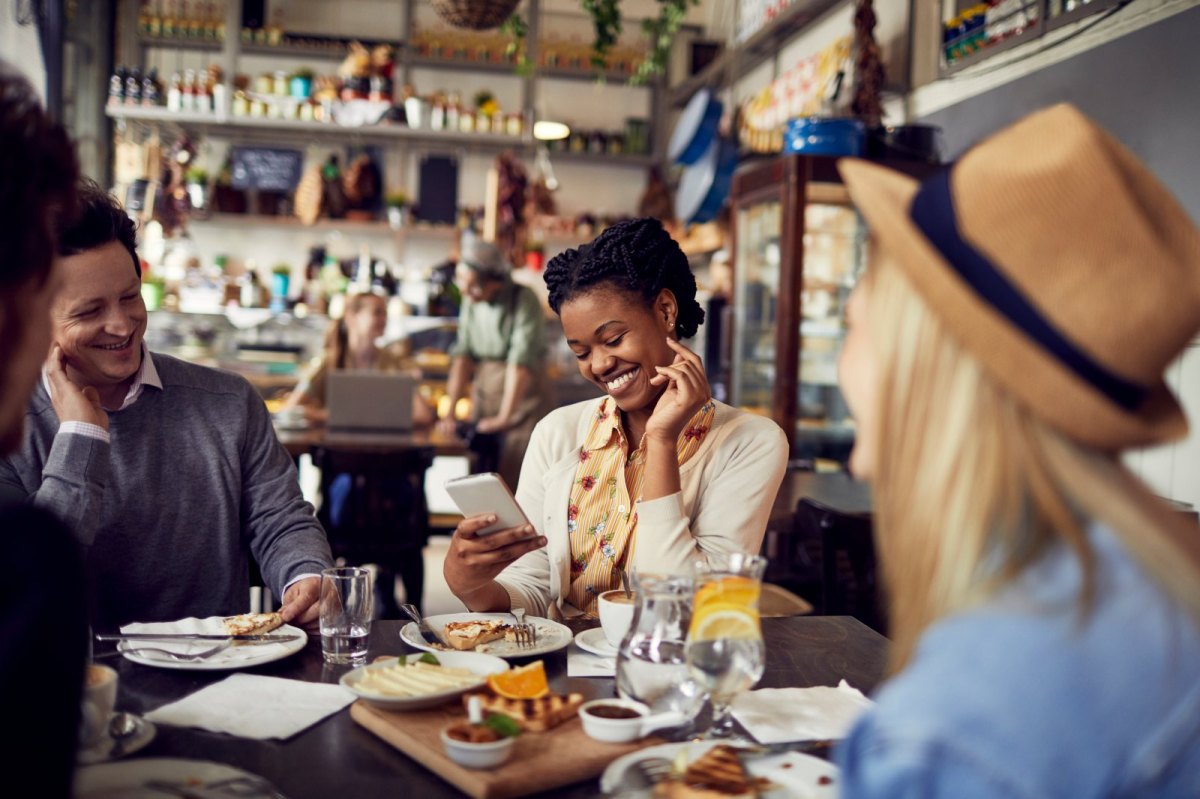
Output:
x,y
499,352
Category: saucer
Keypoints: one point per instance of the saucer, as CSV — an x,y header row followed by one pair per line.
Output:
x,y
593,641
101,751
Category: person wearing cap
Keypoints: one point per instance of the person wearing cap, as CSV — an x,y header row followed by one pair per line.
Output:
x,y
1007,344
499,353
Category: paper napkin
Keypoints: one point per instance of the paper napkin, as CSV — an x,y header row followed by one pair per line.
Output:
x,y
776,715
584,664
212,625
253,706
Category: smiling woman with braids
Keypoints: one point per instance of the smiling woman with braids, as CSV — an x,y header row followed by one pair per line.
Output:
x,y
653,475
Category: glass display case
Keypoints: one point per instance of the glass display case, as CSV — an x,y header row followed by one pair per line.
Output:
x,y
799,246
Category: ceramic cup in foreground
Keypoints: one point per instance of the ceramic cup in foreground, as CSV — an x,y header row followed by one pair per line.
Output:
x,y
616,614
99,697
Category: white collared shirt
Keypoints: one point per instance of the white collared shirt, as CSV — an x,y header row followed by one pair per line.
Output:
x,y
146,375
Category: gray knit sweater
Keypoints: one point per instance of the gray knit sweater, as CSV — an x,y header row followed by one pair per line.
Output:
x,y
193,482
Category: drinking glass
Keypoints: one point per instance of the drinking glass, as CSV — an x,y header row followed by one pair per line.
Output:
x,y
651,662
725,651
346,605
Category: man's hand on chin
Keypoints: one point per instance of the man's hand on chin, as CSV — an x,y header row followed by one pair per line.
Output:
x,y
300,605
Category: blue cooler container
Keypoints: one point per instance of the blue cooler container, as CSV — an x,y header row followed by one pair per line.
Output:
x,y
825,136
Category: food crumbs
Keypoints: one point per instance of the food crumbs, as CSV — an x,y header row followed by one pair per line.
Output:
x,y
826,780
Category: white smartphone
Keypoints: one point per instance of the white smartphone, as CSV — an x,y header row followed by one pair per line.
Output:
x,y
486,493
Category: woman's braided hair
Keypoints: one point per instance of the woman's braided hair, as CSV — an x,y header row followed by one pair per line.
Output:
x,y
636,256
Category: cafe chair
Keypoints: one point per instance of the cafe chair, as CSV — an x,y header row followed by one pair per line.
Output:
x,y
373,510
849,578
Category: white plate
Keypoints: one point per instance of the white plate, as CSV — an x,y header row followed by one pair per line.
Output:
x,y
551,636
234,657
126,779
796,776
594,641
481,665
143,733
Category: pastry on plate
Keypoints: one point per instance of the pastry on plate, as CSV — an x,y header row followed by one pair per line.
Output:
x,y
252,623
470,634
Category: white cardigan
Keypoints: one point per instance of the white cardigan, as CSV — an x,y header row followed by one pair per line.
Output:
x,y
727,489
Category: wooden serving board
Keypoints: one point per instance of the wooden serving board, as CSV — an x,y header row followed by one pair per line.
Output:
x,y
541,761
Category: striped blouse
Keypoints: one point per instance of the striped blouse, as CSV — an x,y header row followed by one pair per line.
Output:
x,y
601,518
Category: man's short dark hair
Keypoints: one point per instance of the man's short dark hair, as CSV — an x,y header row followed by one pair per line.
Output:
x,y
100,219
38,172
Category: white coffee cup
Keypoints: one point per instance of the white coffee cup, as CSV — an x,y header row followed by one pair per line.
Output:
x,y
99,698
616,614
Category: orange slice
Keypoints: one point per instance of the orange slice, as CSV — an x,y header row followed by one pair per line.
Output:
x,y
732,590
525,682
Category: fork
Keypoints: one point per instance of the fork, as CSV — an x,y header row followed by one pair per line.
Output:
x,y
526,634
186,656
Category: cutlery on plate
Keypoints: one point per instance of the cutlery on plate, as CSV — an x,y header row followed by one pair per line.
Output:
x,y
265,638
422,626
525,633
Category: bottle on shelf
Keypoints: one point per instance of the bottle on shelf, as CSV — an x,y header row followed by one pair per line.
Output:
x,y
133,87
188,103
175,93
116,86
151,90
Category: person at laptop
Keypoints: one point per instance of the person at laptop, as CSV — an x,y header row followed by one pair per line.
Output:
x,y
653,475
350,343
165,471
498,353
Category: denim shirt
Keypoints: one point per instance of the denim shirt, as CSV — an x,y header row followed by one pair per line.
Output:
x,y
1025,697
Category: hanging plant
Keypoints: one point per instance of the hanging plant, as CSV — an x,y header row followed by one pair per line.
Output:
x,y
606,20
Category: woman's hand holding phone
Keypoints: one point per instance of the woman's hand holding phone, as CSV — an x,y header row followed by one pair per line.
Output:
x,y
474,560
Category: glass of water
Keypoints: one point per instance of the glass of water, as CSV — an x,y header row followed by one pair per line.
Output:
x,y
346,604
725,651
651,662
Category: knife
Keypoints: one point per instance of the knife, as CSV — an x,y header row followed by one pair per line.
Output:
x,y
263,637
423,627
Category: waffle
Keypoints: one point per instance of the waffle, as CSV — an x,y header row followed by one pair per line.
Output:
x,y
718,773
533,715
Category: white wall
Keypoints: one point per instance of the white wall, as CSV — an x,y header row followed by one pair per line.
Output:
x,y
19,46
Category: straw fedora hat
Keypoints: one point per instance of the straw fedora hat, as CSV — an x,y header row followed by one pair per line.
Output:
x,y
1060,262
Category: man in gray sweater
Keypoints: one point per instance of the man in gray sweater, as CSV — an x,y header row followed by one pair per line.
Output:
x,y
169,474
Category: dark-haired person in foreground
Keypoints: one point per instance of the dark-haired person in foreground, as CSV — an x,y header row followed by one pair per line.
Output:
x,y
654,475
43,625
167,472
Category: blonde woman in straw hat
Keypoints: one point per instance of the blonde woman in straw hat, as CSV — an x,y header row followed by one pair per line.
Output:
x,y
1007,343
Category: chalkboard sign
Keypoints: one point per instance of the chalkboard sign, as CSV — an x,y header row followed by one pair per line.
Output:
x,y
265,168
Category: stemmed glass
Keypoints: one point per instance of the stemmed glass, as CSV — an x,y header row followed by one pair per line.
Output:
x,y
725,650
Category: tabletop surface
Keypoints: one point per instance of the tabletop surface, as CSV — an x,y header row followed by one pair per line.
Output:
x,y
298,441
339,758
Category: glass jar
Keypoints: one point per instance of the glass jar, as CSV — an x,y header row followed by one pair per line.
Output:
x,y
652,662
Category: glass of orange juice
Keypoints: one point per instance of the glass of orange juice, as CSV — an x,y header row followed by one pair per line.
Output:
x,y
725,650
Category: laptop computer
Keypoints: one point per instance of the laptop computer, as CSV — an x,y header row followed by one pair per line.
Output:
x,y
369,403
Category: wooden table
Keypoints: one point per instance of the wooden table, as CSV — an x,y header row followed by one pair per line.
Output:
x,y
302,442
339,758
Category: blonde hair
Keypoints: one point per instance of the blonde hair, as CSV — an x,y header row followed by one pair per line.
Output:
x,y
971,487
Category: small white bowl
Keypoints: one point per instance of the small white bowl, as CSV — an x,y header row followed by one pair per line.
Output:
x,y
478,755
619,731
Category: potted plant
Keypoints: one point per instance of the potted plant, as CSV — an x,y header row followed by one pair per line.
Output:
x,y
397,203
196,184
301,82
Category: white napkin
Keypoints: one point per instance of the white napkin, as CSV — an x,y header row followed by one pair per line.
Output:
x,y
585,664
210,626
253,706
776,715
